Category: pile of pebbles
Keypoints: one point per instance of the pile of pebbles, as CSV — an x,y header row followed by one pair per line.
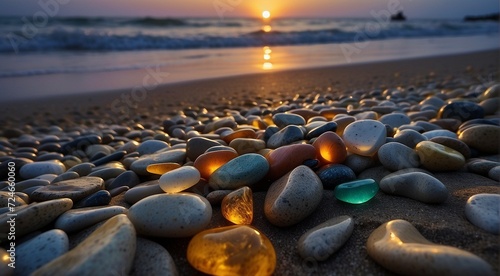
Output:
x,y
160,180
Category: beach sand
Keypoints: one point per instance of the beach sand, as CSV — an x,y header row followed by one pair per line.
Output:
x,y
440,223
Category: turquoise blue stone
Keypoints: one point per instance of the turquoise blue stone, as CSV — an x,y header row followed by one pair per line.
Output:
x,y
357,191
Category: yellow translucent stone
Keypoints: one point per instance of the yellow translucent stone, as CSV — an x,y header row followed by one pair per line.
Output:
x,y
232,250
161,168
237,206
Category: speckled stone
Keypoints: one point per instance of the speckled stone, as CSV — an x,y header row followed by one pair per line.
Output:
x,y
399,247
293,197
335,174
78,219
285,136
482,137
324,240
244,170
32,170
396,156
75,189
436,157
415,185
152,259
6,200
40,250
170,156
364,137
483,210
109,250
187,215
35,216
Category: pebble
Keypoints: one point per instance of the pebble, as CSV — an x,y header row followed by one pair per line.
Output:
x,y
286,158
247,145
482,137
317,131
357,191
359,163
187,215
322,241
232,250
151,146
244,170
152,259
7,199
237,206
142,191
436,157
335,174
196,146
210,161
34,216
285,136
40,250
82,169
109,250
107,173
330,148
462,111
216,197
66,176
415,185
481,166
494,173
170,156
282,120
79,219
395,120
127,178
242,133
179,179
399,247
99,198
161,168
364,137
396,156
32,170
483,210
453,143
75,189
293,197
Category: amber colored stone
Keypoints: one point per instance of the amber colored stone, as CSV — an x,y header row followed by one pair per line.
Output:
x,y
237,206
286,158
232,250
208,162
242,133
330,148
305,113
162,168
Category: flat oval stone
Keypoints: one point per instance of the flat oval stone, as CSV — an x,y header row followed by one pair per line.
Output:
x,y
162,168
66,176
169,156
187,215
78,219
75,189
232,250
415,185
436,157
317,131
357,191
324,240
396,156
287,158
462,111
286,136
293,197
34,216
282,120
247,145
99,198
40,250
237,206
439,133
9,200
395,120
25,184
110,249
330,148
107,173
483,210
409,137
142,191
127,178
196,146
482,137
453,143
32,170
335,174
244,170
82,169
494,173
242,133
152,259
364,137
179,179
399,247
151,146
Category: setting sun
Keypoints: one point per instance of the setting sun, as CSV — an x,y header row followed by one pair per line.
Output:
x,y
266,14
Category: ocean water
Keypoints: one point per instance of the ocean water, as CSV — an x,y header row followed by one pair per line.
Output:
x,y
82,54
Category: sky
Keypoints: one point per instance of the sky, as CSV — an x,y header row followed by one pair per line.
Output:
x,y
249,8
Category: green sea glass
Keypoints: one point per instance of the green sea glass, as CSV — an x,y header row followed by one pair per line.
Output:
x,y
357,191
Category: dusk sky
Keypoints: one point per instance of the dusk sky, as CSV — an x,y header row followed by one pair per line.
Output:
x,y
253,8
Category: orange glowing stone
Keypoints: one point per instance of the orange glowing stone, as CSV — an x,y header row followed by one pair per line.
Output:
x,y
232,250
210,161
242,133
237,206
162,168
330,148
